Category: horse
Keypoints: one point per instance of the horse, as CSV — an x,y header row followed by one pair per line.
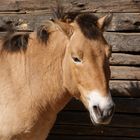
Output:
x,y
41,71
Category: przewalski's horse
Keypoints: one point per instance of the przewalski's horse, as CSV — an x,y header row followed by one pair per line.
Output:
x,y
41,71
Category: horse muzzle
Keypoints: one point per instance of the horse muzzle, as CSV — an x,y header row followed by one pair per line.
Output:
x,y
102,116
101,108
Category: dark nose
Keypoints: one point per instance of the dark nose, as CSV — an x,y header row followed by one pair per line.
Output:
x,y
109,112
97,110
106,113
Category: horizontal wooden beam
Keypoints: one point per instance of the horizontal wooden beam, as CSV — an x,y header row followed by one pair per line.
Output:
x,y
83,118
123,42
124,72
74,137
122,88
83,5
94,131
28,22
125,59
125,22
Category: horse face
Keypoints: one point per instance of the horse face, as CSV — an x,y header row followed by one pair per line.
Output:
x,y
87,73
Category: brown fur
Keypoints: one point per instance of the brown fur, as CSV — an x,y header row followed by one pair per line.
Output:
x,y
30,95
37,83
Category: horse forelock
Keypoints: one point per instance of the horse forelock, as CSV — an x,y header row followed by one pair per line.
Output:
x,y
88,25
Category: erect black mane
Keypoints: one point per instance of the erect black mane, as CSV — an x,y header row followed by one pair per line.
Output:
x,y
43,34
14,42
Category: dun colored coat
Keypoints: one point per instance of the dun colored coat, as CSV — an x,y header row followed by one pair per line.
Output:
x,y
40,72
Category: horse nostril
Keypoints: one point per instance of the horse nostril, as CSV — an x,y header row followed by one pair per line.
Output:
x,y
97,110
95,107
111,110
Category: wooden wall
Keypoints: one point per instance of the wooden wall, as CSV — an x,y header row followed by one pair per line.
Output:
x,y
123,34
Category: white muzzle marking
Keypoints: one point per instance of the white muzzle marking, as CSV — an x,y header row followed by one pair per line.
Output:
x,y
96,99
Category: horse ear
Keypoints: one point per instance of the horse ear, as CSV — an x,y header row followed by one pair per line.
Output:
x,y
104,21
66,28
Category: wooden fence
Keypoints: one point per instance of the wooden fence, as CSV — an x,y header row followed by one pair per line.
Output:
x,y
123,34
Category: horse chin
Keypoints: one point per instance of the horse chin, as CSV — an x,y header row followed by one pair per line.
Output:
x,y
92,120
98,122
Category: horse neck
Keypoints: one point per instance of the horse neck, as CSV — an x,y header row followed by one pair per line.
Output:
x,y
47,66
34,78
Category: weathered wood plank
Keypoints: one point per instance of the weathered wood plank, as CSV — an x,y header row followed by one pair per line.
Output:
x,y
120,21
84,5
124,22
82,118
127,105
123,105
94,131
69,137
123,42
124,72
24,22
125,59
125,88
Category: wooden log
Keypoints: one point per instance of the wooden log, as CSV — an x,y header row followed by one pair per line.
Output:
x,y
120,21
83,118
23,22
125,59
125,22
124,72
123,42
94,131
69,137
83,5
125,88
122,105
127,105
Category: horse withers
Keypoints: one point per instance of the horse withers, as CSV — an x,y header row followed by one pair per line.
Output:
x,y
40,72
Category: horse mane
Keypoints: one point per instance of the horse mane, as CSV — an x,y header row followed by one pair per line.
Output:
x,y
14,42
44,31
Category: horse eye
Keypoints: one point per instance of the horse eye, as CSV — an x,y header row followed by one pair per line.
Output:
x,y
75,59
